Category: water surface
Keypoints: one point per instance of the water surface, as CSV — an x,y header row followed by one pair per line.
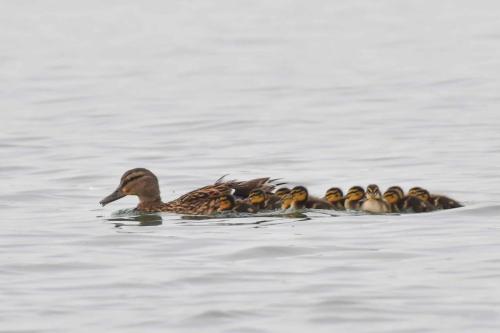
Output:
x,y
321,93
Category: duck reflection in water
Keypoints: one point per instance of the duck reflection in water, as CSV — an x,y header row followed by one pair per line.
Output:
x,y
145,220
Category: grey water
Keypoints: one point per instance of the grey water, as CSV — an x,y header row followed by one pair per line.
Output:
x,y
318,93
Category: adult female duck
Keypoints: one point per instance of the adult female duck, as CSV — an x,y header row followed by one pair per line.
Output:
x,y
144,184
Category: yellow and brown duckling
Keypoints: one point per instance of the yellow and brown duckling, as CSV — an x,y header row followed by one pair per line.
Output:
x,y
262,200
335,197
414,190
227,203
436,200
414,203
282,191
301,199
373,201
354,198
274,199
205,200
394,199
394,196
286,201
397,189
423,195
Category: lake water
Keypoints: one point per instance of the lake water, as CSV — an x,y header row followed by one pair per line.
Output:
x,y
319,93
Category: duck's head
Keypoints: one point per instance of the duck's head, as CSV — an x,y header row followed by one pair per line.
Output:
x,y
140,182
392,196
373,192
299,194
226,202
286,201
398,189
355,193
257,197
413,191
423,195
333,195
281,192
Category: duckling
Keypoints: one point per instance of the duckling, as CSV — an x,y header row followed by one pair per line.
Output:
x,y
301,199
412,204
414,190
262,200
286,201
398,189
394,199
273,200
374,202
425,196
335,197
227,203
354,198
205,200
282,191
434,200
444,202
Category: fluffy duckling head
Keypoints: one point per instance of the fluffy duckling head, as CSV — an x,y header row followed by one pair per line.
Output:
x,y
355,193
398,189
299,194
373,192
286,201
281,192
413,191
392,196
257,197
140,182
423,195
334,195
226,202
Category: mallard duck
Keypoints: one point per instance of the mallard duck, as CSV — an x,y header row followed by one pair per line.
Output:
x,y
374,202
354,198
205,200
335,197
227,203
394,199
301,199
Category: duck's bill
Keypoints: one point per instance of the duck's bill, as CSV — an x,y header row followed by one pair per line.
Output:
x,y
112,197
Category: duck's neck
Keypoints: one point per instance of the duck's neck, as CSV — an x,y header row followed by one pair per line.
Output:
x,y
149,204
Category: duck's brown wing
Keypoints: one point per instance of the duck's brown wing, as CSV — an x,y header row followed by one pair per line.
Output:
x,y
243,189
205,199
205,193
